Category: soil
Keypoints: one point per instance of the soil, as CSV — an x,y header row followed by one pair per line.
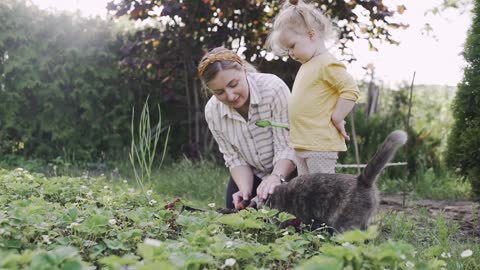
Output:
x,y
465,213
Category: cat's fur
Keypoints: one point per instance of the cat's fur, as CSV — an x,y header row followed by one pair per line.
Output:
x,y
340,201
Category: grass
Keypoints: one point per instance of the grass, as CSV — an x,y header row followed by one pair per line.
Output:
x,y
203,182
432,237
429,186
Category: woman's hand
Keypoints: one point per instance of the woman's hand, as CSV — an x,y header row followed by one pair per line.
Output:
x,y
240,196
267,186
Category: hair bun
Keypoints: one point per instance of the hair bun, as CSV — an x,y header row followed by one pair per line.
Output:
x,y
293,2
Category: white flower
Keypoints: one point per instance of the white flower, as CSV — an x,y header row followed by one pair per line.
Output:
x,y
149,192
152,202
74,224
321,236
211,205
125,181
105,187
46,239
285,233
445,255
466,253
409,264
112,221
228,244
230,262
403,257
152,242
84,187
236,232
89,243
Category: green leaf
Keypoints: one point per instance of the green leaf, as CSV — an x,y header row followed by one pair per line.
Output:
x,y
72,265
283,216
95,224
357,236
232,220
117,262
114,244
321,263
97,250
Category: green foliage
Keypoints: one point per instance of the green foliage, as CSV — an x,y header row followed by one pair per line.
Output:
x,y
463,154
60,87
76,223
144,146
423,148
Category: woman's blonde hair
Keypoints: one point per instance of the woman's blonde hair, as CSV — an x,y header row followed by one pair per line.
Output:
x,y
301,18
219,59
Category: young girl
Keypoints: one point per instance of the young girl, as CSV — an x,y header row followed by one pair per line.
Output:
x,y
323,92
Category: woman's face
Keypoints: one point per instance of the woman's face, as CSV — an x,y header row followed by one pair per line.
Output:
x,y
231,88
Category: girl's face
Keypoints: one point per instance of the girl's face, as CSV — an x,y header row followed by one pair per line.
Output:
x,y
301,48
231,88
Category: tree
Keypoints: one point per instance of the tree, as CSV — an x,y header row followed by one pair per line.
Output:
x,y
463,151
177,33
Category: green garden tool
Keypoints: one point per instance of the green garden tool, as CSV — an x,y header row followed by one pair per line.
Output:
x,y
266,123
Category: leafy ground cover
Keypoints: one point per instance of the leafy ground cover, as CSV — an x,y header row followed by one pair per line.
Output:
x,y
99,223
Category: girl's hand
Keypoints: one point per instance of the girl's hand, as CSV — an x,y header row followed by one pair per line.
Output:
x,y
267,186
240,196
340,125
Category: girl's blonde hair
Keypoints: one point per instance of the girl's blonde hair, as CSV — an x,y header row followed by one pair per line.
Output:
x,y
301,18
219,59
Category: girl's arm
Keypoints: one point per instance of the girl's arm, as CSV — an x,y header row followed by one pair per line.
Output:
x,y
342,109
338,78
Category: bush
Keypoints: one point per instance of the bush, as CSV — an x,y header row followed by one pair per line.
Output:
x,y
463,154
59,85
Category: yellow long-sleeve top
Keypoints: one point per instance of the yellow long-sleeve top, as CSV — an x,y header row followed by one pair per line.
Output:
x,y
318,85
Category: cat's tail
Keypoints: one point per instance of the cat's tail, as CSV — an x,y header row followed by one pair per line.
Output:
x,y
383,155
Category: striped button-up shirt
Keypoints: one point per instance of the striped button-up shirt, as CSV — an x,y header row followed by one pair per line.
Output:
x,y
243,143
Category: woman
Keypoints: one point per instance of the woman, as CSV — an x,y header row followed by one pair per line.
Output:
x,y
259,159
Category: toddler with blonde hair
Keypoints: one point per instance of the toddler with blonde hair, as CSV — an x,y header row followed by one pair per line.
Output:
x,y
323,92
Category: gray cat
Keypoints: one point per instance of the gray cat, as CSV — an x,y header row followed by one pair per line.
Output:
x,y
341,201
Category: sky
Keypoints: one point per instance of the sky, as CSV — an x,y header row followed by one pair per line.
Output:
x,y
436,58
